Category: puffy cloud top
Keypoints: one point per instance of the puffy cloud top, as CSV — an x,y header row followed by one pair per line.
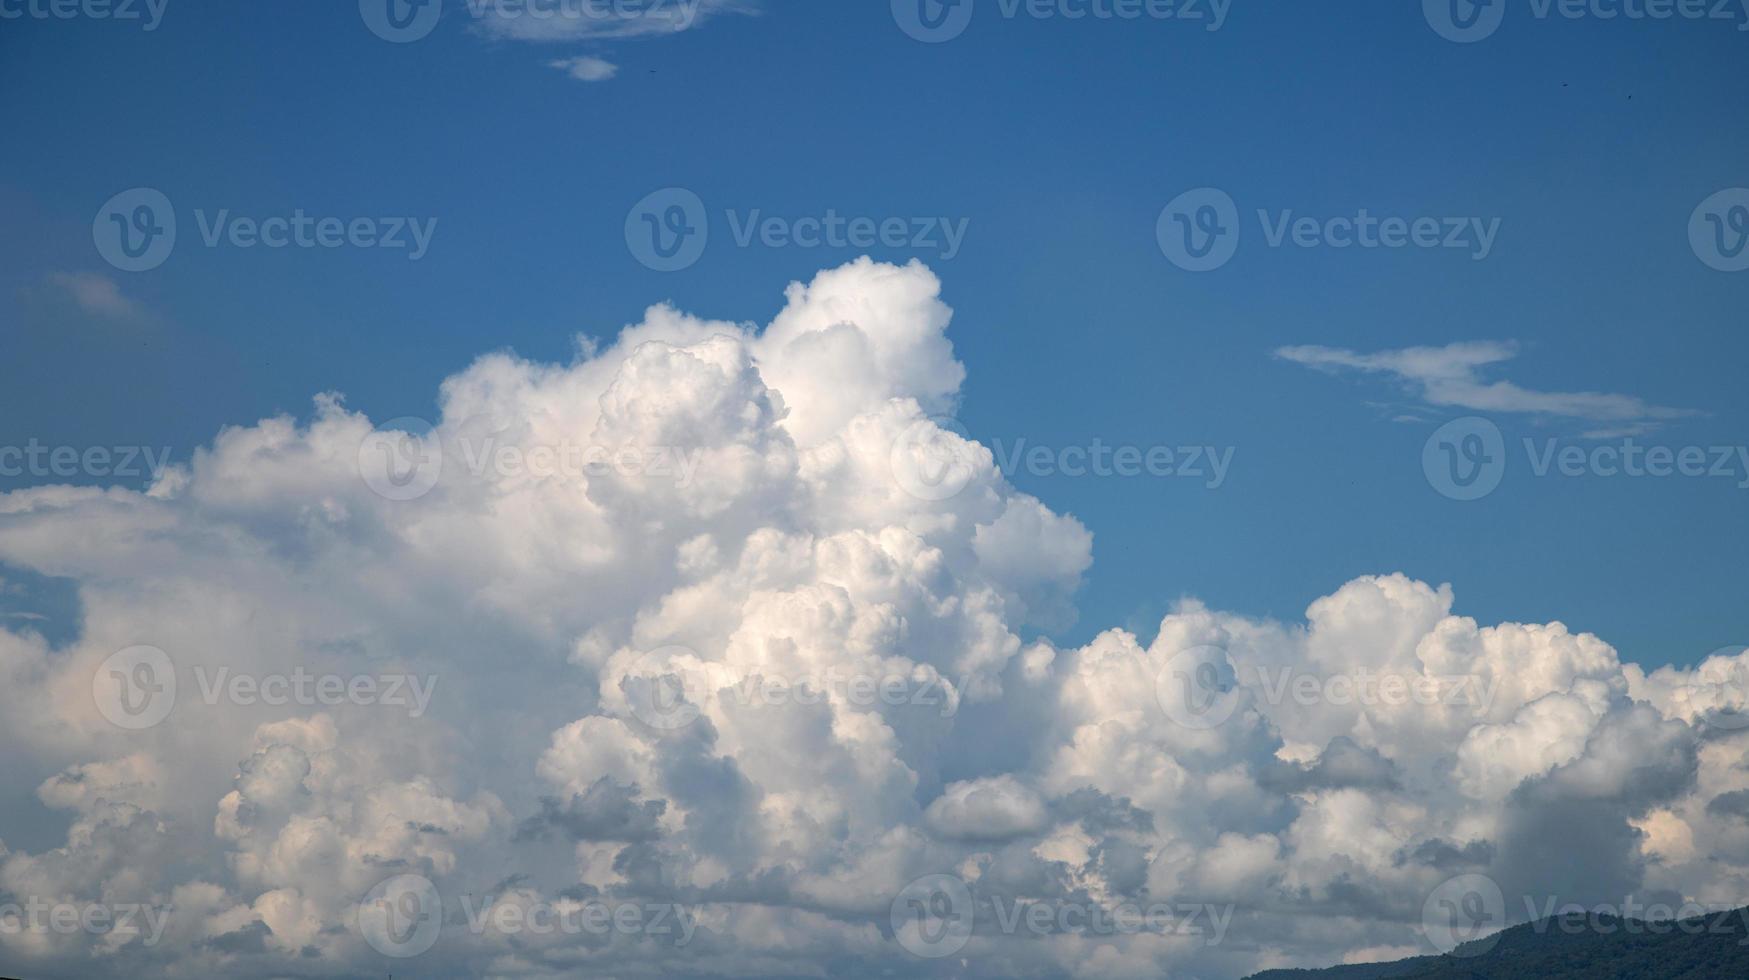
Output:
x,y
728,622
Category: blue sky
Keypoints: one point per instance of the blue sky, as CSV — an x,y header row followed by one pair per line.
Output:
x,y
1057,143
1429,283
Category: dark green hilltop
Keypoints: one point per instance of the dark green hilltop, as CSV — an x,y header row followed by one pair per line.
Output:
x,y
1576,947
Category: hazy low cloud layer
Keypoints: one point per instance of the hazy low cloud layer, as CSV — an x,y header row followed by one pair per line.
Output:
x,y
716,618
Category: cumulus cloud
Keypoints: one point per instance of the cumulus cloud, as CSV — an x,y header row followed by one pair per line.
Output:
x,y
1452,377
986,809
698,642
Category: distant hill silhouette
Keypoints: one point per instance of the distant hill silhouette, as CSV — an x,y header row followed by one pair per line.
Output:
x,y
1710,947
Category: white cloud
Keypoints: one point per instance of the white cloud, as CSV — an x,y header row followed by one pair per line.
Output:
x,y
586,69
1451,377
987,809
545,21
97,294
550,22
776,693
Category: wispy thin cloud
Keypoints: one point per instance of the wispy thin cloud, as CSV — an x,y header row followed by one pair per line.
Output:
x,y
586,69
549,21
96,293
1451,377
